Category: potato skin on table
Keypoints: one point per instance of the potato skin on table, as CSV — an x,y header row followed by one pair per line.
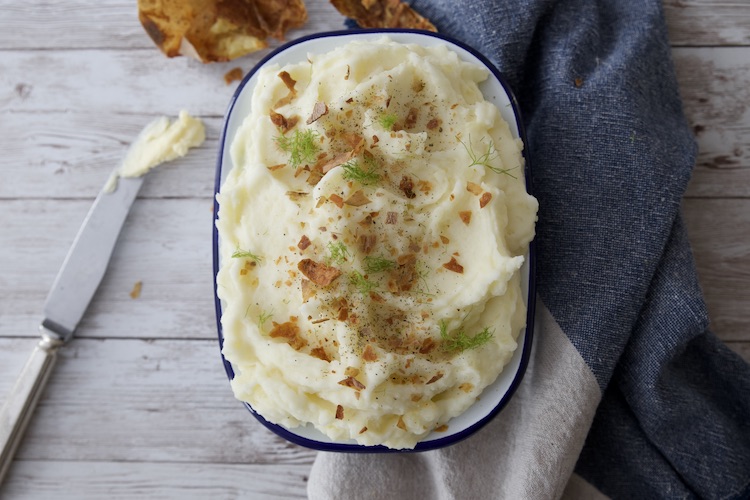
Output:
x,y
218,30
383,14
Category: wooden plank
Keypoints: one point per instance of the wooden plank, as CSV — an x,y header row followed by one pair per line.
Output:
x,y
143,401
111,82
741,348
718,231
68,24
94,480
714,82
13,355
707,22
715,87
71,155
90,69
79,24
156,417
166,244
75,24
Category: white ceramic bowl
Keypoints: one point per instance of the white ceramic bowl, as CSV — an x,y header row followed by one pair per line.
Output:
x,y
495,89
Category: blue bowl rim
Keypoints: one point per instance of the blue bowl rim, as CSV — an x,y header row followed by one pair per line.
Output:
x,y
531,299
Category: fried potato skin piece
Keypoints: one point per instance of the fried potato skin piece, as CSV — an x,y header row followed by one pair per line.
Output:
x,y
383,14
218,30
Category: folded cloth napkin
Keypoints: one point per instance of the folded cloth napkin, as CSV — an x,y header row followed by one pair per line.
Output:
x,y
627,392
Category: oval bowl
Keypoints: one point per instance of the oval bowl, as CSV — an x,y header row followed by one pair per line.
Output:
x,y
495,89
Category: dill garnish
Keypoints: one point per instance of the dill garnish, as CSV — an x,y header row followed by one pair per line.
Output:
x,y
459,341
422,272
353,171
485,158
388,120
338,253
378,264
264,316
246,254
301,146
363,285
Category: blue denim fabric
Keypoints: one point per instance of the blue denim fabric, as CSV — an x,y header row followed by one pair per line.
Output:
x,y
612,154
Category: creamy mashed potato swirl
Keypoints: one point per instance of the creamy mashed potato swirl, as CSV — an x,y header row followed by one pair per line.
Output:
x,y
372,231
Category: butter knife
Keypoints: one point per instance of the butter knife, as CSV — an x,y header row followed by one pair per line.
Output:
x,y
73,288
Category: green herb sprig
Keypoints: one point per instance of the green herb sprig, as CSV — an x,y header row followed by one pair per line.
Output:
x,y
362,284
387,120
378,264
459,341
353,171
422,272
246,254
264,316
338,253
302,147
485,159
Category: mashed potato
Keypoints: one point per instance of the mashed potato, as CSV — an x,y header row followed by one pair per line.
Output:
x,y
372,233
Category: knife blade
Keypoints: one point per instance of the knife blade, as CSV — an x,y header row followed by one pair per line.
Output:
x,y
74,287
86,262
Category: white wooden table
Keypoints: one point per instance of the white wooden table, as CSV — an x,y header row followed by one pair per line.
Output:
x,y
139,404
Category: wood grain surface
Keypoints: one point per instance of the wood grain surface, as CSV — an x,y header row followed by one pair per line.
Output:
x,y
139,405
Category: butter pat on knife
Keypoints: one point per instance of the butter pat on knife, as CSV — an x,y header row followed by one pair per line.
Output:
x,y
159,142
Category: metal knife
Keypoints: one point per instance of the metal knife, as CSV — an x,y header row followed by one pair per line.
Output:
x,y
72,290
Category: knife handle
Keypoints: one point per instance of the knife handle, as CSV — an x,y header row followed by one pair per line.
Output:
x,y
19,407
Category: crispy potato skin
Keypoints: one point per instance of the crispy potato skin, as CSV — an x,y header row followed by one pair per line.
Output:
x,y
218,30
382,14
222,30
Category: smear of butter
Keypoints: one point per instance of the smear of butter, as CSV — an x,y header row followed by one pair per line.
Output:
x,y
159,142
